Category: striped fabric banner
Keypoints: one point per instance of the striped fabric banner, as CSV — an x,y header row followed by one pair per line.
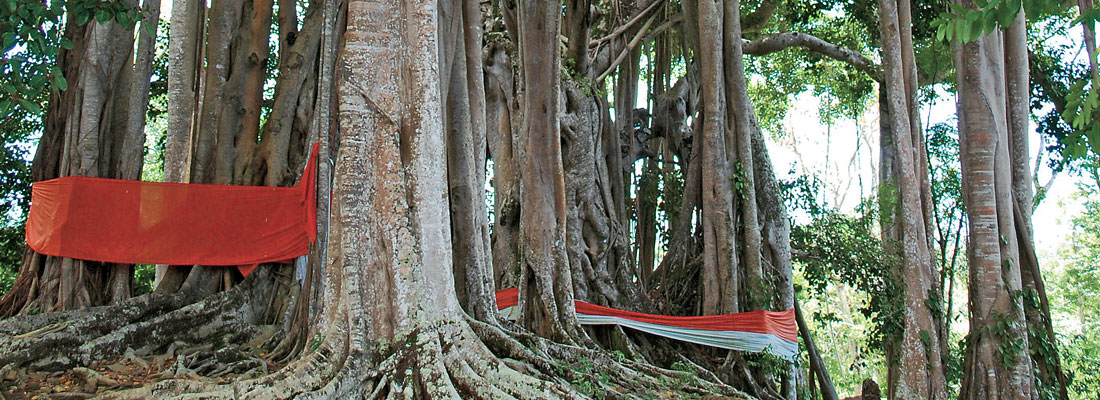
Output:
x,y
773,332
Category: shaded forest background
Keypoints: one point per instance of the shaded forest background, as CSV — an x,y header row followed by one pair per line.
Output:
x,y
842,269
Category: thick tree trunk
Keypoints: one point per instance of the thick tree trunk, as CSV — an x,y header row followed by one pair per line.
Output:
x,y
719,279
997,363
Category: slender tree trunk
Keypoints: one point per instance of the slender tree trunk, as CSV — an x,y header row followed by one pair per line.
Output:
x,y
1041,339
464,116
546,289
920,356
505,143
293,107
646,230
741,126
184,61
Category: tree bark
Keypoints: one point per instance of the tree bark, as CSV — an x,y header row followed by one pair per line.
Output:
x,y
546,288
184,62
720,287
996,365
87,133
920,350
464,116
505,143
1041,339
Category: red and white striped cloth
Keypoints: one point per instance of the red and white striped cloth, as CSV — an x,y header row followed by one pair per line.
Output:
x,y
773,332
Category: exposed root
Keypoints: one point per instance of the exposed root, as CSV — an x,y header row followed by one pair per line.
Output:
x,y
212,352
598,373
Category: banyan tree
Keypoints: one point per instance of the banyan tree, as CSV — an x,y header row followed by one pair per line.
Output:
x,y
607,152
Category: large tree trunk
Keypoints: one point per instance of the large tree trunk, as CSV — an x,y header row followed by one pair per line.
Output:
x,y
997,363
719,279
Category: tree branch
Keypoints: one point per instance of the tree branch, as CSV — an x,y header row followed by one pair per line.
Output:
x,y
622,28
783,41
758,19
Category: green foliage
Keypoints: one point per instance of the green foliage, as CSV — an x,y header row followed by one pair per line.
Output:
x,y
776,79
967,25
569,73
143,279
619,355
315,342
1011,341
946,172
30,37
767,363
589,381
1075,286
103,12
1064,91
11,255
687,374
840,248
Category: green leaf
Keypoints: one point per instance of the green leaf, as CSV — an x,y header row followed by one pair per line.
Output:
x,y
975,30
102,16
37,82
30,106
60,83
9,41
989,22
1008,13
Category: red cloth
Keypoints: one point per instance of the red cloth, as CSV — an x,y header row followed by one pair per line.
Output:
x,y
135,222
778,323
